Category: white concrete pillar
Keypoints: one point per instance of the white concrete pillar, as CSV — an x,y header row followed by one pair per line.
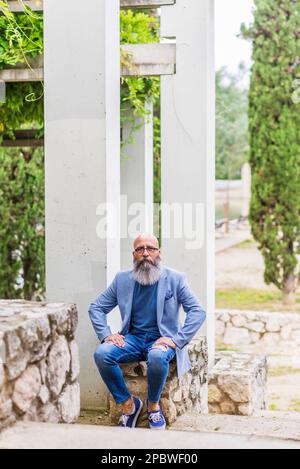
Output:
x,y
137,182
82,159
188,147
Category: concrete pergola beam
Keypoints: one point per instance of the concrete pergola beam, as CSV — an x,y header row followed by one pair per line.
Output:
x,y
37,5
16,6
21,75
146,59
145,3
150,59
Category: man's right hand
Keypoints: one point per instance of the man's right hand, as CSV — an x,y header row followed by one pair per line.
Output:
x,y
116,339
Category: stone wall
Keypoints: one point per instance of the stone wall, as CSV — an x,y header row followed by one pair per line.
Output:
x,y
39,362
179,395
258,330
238,384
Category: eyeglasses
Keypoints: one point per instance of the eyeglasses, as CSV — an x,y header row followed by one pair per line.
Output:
x,y
141,249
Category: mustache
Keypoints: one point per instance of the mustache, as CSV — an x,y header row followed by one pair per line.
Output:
x,y
147,261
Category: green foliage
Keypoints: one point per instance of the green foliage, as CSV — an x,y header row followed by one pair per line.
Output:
x,y
21,36
22,243
137,28
18,112
21,40
231,124
275,139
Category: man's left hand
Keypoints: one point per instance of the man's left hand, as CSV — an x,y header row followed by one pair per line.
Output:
x,y
166,340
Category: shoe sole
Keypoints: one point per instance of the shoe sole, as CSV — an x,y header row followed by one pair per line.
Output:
x,y
157,428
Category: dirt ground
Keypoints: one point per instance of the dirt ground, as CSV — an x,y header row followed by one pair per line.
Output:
x,y
93,417
284,392
241,267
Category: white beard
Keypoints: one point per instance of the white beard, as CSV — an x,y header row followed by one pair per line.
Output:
x,y
147,273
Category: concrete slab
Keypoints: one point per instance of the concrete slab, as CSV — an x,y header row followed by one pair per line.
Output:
x,y
53,436
278,425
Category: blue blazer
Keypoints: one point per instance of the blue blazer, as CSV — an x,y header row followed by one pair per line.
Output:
x,y
173,291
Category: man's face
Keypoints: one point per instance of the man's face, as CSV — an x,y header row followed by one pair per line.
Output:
x,y
146,250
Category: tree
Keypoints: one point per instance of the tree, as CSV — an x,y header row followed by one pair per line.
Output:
x,y
274,125
231,124
22,245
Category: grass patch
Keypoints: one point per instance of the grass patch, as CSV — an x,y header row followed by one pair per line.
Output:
x,y
275,397
295,406
228,349
249,243
256,300
273,407
282,371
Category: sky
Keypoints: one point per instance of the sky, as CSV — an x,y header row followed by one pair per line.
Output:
x,y
230,50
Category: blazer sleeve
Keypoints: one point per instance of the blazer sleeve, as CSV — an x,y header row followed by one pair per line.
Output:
x,y
195,314
99,309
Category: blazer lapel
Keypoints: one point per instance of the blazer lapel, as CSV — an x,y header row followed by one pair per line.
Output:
x,y
128,294
161,293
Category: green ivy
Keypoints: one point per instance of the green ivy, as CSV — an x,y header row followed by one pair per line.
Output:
x,y
17,112
21,36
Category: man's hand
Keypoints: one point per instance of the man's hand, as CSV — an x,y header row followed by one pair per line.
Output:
x,y
165,340
116,339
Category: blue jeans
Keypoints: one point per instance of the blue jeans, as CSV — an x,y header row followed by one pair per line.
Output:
x,y
137,348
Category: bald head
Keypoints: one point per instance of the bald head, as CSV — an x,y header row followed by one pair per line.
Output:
x,y
146,239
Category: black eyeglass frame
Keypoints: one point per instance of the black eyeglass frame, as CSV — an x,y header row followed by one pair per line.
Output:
x,y
141,249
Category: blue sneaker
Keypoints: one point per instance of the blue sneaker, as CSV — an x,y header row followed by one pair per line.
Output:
x,y
129,420
156,419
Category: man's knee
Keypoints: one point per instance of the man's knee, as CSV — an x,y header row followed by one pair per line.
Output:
x,y
157,356
103,354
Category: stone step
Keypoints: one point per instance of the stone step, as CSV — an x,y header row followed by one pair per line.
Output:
x,y
280,425
28,435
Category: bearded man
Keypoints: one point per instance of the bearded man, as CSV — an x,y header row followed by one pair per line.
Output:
x,y
149,298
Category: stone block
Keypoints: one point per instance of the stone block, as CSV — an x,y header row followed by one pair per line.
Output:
x,y
39,362
238,384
